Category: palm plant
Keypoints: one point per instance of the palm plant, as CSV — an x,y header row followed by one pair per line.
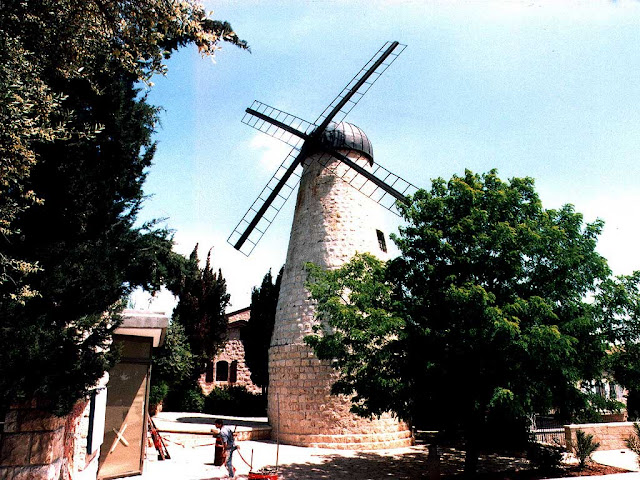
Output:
x,y
633,441
584,448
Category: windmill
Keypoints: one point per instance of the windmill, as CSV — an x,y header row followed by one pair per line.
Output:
x,y
340,188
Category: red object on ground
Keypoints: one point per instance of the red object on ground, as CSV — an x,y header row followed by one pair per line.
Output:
x,y
262,476
220,456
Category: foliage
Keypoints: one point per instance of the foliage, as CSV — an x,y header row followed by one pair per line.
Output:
x,y
633,441
368,336
256,336
202,302
172,362
619,302
47,48
546,458
157,393
486,306
235,400
188,398
584,448
75,143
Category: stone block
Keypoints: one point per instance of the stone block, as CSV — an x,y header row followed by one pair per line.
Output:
x,y
40,472
34,420
47,447
15,449
11,422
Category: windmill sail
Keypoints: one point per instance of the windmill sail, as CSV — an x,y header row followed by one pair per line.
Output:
x,y
294,131
359,85
278,124
264,209
387,188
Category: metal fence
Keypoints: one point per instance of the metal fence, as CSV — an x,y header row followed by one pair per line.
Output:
x,y
546,429
554,436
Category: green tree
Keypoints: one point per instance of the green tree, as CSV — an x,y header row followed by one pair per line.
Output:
x,y
173,360
49,45
76,144
256,336
481,321
202,302
172,363
618,303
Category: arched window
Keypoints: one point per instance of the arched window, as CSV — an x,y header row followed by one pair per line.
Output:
x,y
222,371
233,372
209,374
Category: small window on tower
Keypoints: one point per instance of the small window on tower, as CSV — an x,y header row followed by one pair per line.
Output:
x,y
222,371
381,241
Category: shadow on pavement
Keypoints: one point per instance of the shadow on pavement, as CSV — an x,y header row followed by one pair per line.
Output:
x,y
361,466
210,421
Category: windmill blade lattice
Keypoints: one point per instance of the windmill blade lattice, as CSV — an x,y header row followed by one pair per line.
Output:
x,y
264,126
360,84
245,237
369,188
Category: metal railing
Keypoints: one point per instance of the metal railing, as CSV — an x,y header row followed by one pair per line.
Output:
x,y
554,436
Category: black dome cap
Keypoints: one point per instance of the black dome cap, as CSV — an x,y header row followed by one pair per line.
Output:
x,y
346,136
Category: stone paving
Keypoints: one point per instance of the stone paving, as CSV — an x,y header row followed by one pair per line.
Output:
x,y
191,449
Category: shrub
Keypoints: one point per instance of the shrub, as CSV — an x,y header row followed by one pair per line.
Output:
x,y
158,393
235,400
633,441
546,458
584,447
185,399
193,400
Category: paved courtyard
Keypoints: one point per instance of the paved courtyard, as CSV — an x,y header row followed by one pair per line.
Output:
x,y
192,454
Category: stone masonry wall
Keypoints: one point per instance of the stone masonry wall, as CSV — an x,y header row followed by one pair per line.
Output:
x,y
233,351
32,445
611,436
332,222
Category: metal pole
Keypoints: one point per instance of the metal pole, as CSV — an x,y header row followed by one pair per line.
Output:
x,y
277,429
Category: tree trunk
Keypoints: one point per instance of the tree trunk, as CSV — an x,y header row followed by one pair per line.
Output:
x,y
433,462
471,459
472,441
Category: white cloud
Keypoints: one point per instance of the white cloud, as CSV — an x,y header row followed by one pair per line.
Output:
x,y
272,151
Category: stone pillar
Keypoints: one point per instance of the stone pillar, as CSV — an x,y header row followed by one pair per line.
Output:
x,y
32,445
332,222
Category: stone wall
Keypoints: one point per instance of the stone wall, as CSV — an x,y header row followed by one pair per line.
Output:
x,y
32,446
233,351
610,435
36,445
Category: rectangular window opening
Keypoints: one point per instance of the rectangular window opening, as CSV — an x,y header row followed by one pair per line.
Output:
x,y
381,241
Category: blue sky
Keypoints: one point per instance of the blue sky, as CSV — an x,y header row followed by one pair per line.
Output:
x,y
549,90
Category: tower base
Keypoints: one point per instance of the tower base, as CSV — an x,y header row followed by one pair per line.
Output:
x,y
303,412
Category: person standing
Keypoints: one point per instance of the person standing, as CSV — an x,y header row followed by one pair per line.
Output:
x,y
226,435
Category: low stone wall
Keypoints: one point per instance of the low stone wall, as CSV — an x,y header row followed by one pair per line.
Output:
x,y
37,445
611,436
32,445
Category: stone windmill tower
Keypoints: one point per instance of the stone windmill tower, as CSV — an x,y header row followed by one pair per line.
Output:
x,y
341,189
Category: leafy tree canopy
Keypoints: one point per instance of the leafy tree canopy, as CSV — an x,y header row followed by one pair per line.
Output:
x,y
173,361
256,336
75,145
482,320
47,48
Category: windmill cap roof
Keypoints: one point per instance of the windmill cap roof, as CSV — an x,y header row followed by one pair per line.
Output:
x,y
346,136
